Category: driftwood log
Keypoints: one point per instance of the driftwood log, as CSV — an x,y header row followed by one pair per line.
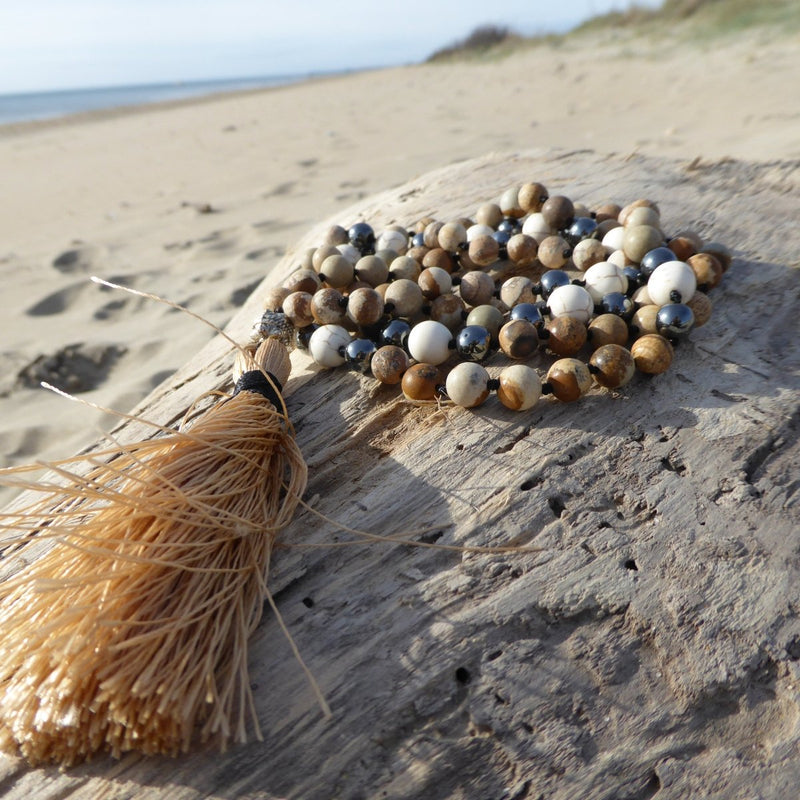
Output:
x,y
650,648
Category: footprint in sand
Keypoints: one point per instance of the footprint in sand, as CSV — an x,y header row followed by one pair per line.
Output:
x,y
74,368
85,258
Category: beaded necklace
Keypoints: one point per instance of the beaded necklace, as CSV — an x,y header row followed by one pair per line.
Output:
x,y
424,307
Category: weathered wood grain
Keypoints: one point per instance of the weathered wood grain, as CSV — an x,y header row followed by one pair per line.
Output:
x,y
651,647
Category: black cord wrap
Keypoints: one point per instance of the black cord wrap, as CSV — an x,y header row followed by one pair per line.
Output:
x,y
254,380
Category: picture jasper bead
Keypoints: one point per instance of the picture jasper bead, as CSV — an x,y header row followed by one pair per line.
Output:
x,y
303,280
520,387
297,307
519,339
567,335
558,211
421,382
434,281
531,197
476,288
554,252
372,269
405,297
364,307
701,308
467,384
707,270
569,379
607,329
484,250
328,307
652,354
522,249
389,363
337,271
613,365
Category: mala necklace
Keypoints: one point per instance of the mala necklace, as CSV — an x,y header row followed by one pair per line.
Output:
x,y
133,576
423,308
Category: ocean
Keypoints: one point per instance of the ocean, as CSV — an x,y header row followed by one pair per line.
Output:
x,y
29,106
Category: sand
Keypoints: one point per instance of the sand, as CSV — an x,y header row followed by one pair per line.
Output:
x,y
198,200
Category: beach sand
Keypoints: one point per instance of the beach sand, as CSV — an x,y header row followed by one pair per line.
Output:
x,y
198,200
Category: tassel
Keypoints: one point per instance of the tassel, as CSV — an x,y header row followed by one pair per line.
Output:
x,y
130,632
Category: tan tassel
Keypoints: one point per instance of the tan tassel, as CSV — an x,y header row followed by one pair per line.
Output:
x,y
130,632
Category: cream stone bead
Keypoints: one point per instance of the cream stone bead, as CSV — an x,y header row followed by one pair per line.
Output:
x,y
614,239
672,282
571,301
588,252
405,296
536,227
429,342
466,384
518,289
603,278
392,240
520,387
326,345
474,231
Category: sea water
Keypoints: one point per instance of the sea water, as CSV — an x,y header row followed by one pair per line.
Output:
x,y
48,105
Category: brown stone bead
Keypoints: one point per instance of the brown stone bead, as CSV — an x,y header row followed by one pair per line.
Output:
x,y
607,211
421,224
434,281
421,382
519,339
364,307
707,270
683,248
588,252
721,252
372,269
605,226
389,364
554,252
518,289
297,306
437,257
451,236
336,234
484,250
489,214
608,329
557,211
275,297
337,271
328,307
321,253
644,320
522,249
405,296
693,236
569,379
510,205
303,280
404,267
652,354
612,365
623,214
567,335
701,307
449,310
431,234
476,288
532,197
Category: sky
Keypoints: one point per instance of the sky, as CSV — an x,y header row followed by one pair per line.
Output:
x,y
61,44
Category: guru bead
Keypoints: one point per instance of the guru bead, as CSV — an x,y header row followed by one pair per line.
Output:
x,y
671,282
652,354
519,339
571,301
358,354
612,365
327,345
473,342
674,321
421,382
429,342
569,379
467,384
520,387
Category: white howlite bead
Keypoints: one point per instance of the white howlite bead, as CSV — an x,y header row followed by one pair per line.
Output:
x,y
429,342
350,252
618,257
536,227
466,384
669,277
325,344
478,230
571,301
614,238
642,297
604,277
392,240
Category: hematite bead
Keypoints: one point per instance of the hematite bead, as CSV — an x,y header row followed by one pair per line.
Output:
x,y
396,333
473,342
502,238
358,354
655,258
674,320
527,311
303,336
635,278
552,279
362,237
617,303
418,240
510,225
581,228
